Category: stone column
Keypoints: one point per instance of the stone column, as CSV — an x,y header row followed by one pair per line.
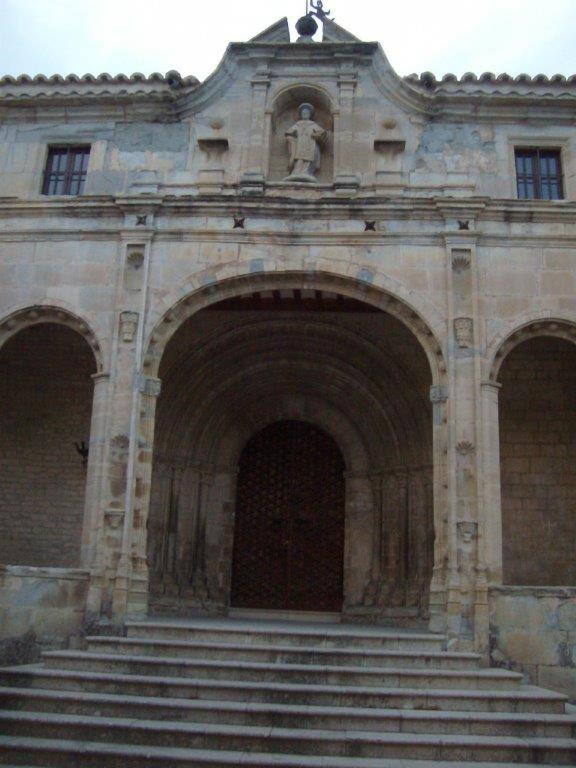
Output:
x,y
137,593
491,519
219,533
94,503
95,470
359,532
442,543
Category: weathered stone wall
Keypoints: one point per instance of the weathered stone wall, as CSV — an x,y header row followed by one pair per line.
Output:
x,y
45,406
533,630
38,606
538,467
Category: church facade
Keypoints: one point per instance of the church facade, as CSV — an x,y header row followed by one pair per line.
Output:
x,y
300,337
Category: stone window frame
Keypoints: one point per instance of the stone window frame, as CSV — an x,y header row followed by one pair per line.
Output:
x,y
541,141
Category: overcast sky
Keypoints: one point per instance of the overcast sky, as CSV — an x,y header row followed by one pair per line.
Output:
x,y
63,36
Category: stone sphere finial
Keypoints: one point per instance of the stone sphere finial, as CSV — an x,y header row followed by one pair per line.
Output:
x,y
306,26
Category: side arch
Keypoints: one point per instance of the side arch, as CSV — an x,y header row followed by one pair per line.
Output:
x,y
35,314
528,326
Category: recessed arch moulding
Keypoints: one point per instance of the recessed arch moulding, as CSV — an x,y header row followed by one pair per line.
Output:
x,y
363,377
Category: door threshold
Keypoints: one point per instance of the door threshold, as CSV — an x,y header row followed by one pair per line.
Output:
x,y
315,617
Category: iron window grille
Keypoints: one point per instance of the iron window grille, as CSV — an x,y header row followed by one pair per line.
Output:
x,y
538,174
65,171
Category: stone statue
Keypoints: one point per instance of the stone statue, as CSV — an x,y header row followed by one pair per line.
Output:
x,y
304,141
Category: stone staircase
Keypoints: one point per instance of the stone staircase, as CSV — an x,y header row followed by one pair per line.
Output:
x,y
175,694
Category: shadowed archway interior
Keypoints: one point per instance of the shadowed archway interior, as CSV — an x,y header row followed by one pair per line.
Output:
x,y
355,372
45,408
537,460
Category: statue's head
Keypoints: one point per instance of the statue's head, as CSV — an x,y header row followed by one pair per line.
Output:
x,y
306,111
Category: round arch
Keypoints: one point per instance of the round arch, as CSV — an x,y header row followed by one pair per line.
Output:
x,y
36,314
376,289
530,326
228,392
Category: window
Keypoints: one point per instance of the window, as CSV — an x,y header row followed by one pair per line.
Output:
x,y
65,170
538,174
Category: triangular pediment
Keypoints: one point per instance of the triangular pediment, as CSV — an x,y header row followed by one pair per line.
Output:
x,y
279,32
334,33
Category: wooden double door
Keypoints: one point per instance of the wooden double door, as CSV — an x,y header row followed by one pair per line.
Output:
x,y
289,524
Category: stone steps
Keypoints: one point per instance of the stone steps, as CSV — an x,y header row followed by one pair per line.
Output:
x,y
217,693
57,754
202,736
523,724
484,679
371,657
252,633
520,700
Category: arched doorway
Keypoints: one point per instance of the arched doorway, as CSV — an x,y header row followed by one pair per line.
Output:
x,y
289,522
360,371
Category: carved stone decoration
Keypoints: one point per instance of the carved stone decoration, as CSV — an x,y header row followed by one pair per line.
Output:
x,y
461,258
463,331
305,139
128,325
465,448
438,394
468,531
150,386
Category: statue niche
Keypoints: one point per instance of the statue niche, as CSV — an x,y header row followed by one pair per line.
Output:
x,y
301,137
305,139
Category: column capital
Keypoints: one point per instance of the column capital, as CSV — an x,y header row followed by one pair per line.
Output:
x,y
438,393
491,386
148,385
100,376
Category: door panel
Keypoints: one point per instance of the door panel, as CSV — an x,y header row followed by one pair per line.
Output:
x,y
289,527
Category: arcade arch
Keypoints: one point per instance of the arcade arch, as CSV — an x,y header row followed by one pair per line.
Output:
x,y
536,368
258,357
46,390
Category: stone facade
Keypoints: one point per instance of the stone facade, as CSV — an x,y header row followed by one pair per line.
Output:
x,y
453,290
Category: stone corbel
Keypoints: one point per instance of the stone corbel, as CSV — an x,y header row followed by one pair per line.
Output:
x,y
128,325
464,331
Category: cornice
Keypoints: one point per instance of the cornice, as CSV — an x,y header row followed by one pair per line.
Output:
x,y
288,209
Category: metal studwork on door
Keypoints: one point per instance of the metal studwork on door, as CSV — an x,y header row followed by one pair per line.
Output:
x,y
289,531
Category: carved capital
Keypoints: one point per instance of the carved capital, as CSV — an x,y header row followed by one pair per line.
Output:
x,y
150,386
438,394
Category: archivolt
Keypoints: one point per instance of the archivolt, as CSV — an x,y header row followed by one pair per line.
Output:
x,y
205,289
505,342
37,314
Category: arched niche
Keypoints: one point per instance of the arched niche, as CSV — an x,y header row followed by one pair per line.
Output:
x,y
283,114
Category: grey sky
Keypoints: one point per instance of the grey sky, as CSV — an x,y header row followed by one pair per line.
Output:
x,y
63,36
